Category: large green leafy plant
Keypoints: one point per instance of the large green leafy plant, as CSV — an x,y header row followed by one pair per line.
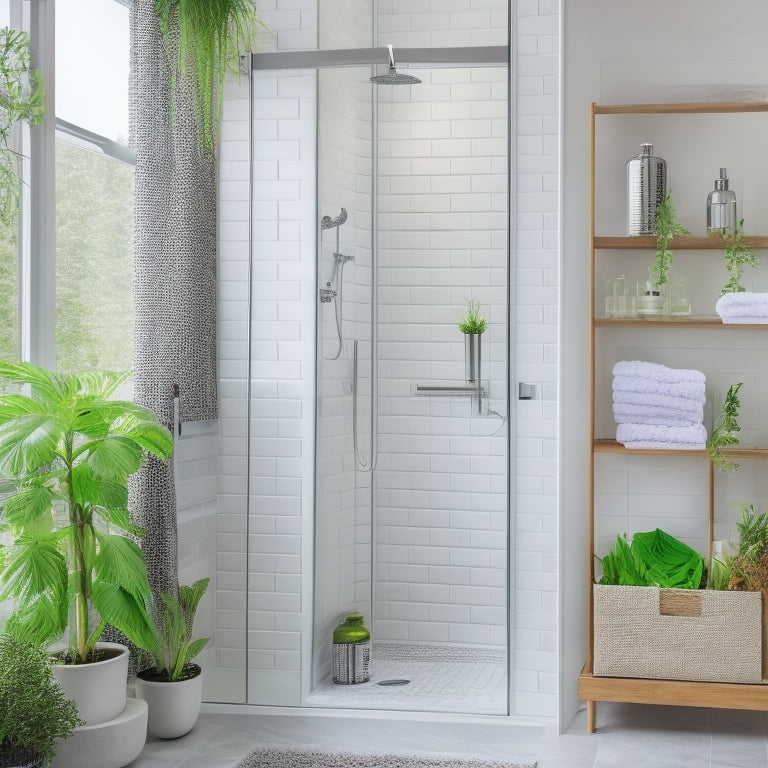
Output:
x,y
210,36
21,98
172,648
69,548
34,712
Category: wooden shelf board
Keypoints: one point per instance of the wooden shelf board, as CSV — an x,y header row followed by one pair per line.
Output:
x,y
673,692
685,242
681,108
677,321
605,445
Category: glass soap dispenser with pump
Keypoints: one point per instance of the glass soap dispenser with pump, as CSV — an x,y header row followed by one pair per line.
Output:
x,y
721,207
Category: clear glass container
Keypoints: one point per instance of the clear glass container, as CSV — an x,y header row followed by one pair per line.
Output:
x,y
721,207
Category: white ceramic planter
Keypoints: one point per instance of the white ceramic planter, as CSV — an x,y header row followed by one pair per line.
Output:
x,y
113,744
173,707
99,689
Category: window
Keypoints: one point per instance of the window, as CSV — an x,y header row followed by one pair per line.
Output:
x,y
94,187
81,179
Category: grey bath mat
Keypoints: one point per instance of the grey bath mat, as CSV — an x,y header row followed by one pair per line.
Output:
x,y
278,757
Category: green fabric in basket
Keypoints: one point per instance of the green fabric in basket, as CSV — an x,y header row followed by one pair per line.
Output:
x,y
654,559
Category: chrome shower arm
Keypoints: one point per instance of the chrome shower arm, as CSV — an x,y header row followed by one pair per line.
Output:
x,y
328,223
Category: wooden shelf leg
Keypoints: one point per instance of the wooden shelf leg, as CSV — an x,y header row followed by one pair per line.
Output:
x,y
591,714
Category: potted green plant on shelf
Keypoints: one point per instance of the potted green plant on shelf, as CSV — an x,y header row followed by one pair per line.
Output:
x,y
724,430
69,450
473,325
21,98
667,228
34,713
737,256
210,38
171,683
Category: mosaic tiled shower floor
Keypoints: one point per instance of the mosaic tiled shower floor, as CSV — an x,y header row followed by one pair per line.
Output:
x,y
442,679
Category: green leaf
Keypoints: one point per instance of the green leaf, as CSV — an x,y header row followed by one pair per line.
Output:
x,y
32,567
44,385
29,442
91,489
120,561
194,648
113,456
120,519
118,607
28,506
154,438
41,620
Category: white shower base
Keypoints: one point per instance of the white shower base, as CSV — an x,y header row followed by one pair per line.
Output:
x,y
442,679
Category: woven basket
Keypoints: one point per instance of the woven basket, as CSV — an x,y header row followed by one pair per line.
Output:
x,y
677,634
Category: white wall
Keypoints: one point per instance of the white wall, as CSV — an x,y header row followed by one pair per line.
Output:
x,y
653,52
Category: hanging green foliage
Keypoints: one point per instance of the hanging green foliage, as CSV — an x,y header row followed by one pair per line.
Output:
x,y
725,429
737,255
211,35
667,229
21,98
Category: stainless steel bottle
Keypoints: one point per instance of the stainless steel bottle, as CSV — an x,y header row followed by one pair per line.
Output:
x,y
721,207
646,188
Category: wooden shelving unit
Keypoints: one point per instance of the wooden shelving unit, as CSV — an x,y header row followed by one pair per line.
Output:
x,y
592,689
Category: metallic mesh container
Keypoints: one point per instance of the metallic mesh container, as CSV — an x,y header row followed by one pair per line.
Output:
x,y
351,663
646,188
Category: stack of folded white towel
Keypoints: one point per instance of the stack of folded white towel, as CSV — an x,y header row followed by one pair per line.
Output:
x,y
744,308
658,407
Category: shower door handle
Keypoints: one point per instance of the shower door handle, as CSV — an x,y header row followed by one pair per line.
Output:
x,y
355,387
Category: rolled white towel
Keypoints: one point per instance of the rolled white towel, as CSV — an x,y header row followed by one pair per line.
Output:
x,y
660,399
650,445
644,370
692,389
743,308
693,437
745,320
624,413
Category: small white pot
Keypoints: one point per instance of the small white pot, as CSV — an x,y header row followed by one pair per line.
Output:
x,y
99,689
173,707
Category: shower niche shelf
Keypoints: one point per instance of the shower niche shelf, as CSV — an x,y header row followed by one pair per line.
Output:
x,y
609,336
472,389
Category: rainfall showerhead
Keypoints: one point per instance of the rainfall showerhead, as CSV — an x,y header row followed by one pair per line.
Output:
x,y
393,77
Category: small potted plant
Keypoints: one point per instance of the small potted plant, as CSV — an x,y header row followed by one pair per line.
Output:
x,y
171,684
725,429
652,301
34,712
69,449
472,324
737,256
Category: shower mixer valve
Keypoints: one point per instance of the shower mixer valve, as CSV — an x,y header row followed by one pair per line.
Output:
x,y
327,294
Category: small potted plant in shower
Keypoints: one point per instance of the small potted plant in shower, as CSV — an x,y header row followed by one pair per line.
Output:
x,y
472,325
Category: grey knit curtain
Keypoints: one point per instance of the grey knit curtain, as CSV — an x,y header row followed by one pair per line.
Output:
x,y
175,273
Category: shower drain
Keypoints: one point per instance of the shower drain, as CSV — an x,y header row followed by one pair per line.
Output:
x,y
394,682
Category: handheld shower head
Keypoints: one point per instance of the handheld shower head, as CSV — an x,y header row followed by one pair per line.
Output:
x,y
393,77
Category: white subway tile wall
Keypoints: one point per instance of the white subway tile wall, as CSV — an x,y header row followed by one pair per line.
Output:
x,y
439,478
442,239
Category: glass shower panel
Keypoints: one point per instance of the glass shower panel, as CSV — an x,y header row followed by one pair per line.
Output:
x,y
431,550
344,450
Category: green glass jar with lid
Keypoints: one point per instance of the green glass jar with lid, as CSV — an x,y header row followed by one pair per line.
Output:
x,y
351,630
351,651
